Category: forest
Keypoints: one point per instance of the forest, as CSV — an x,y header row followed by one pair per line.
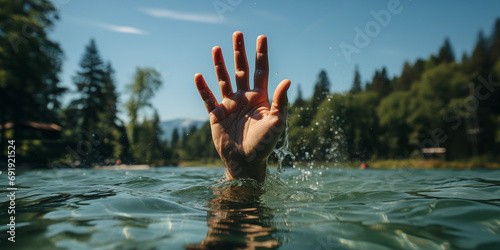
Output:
x,y
439,106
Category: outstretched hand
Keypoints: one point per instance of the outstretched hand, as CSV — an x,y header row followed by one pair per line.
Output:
x,y
245,127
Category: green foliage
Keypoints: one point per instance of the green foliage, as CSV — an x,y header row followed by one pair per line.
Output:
x,y
146,82
410,74
148,149
29,66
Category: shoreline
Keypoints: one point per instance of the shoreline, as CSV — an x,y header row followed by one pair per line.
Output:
x,y
378,164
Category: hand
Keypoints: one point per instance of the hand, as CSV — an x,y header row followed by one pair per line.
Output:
x,y
245,128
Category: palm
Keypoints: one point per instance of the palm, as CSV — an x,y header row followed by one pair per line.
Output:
x,y
244,126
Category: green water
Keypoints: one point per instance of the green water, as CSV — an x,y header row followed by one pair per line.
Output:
x,y
178,208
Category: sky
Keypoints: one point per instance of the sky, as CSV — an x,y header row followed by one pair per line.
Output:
x,y
304,37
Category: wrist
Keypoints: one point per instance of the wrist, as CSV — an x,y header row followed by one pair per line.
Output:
x,y
236,169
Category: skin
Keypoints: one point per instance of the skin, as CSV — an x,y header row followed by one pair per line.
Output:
x,y
245,126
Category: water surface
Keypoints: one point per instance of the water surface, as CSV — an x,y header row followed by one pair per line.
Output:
x,y
179,208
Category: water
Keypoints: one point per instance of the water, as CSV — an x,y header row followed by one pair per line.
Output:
x,y
178,208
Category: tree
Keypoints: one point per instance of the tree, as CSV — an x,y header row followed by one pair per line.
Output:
x,y
155,146
495,43
381,83
146,82
299,102
321,89
446,54
495,62
95,109
410,74
480,59
175,138
110,95
29,65
356,85
90,82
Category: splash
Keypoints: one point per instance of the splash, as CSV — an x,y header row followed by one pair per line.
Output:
x,y
283,151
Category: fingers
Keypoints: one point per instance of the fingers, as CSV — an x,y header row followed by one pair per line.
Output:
x,y
280,99
240,62
220,70
261,64
205,93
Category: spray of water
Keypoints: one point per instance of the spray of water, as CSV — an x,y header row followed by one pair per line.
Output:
x,y
283,151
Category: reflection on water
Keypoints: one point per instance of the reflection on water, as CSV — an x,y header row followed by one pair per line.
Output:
x,y
237,219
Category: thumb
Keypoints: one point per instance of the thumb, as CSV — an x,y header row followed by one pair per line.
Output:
x,y
280,99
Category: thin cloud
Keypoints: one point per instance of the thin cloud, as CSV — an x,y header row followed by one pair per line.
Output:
x,y
122,29
269,15
115,28
175,15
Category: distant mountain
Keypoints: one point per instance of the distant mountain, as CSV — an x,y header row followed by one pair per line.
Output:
x,y
169,126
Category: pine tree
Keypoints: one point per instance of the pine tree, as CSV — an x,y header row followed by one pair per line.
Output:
x,y
299,102
321,89
495,62
446,54
110,95
495,43
90,82
480,59
95,109
155,145
381,83
356,85
175,138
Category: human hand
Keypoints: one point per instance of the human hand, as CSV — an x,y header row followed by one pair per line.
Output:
x,y
245,127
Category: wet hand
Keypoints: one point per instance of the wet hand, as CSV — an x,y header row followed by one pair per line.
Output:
x,y
245,127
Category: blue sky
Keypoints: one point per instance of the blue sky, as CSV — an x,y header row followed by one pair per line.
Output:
x,y
176,38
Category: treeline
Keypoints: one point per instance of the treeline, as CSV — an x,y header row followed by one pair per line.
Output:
x,y
87,131
438,102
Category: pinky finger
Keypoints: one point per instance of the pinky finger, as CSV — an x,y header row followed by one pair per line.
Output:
x,y
205,93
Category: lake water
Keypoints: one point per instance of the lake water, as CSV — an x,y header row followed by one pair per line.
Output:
x,y
179,208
